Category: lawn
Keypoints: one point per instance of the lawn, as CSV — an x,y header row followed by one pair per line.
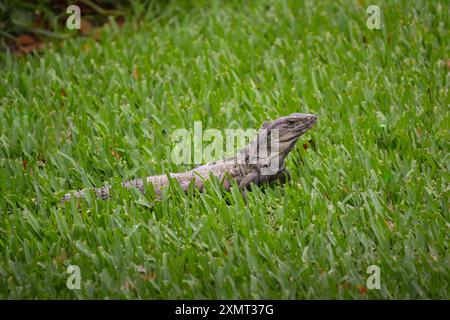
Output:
x,y
370,183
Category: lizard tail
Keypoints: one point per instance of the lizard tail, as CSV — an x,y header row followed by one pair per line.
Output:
x,y
102,193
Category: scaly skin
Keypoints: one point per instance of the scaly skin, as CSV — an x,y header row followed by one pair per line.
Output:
x,y
247,167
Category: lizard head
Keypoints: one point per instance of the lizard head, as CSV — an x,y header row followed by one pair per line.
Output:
x,y
288,129
293,125
285,132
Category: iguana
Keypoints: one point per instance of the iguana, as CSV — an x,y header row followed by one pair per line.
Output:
x,y
261,161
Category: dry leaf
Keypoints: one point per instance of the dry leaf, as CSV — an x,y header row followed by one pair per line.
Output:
x,y
28,49
115,154
419,132
25,40
345,285
85,27
362,290
135,73
86,47
61,258
26,44
97,33
120,21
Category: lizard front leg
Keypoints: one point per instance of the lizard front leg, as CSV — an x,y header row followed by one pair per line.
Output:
x,y
244,184
248,179
282,176
255,177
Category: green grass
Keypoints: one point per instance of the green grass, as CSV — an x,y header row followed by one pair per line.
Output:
x,y
371,189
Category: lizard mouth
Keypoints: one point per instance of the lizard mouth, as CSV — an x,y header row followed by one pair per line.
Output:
x,y
298,130
305,126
